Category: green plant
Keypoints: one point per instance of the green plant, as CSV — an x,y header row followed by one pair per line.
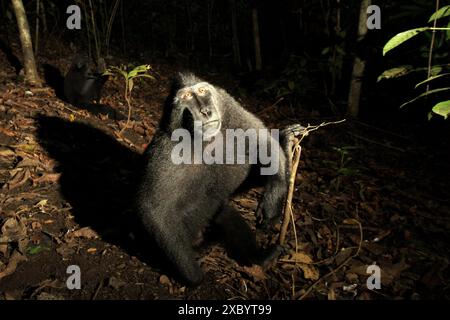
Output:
x,y
292,84
433,71
129,78
342,167
36,249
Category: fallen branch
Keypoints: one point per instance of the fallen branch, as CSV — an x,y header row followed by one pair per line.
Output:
x,y
295,151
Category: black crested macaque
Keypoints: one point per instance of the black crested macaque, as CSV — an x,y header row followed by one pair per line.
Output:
x,y
176,201
81,85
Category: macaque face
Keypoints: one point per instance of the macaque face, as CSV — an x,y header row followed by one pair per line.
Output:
x,y
199,100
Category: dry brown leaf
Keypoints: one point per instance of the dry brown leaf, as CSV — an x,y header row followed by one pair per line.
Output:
x,y
66,250
351,277
85,232
250,204
13,295
351,221
23,244
3,245
48,296
28,162
116,283
41,203
8,132
309,271
14,260
19,179
13,229
301,257
331,294
91,250
28,147
5,152
390,272
256,272
358,268
48,177
164,280
35,225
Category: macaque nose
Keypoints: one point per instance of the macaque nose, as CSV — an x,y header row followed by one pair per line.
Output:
x,y
206,112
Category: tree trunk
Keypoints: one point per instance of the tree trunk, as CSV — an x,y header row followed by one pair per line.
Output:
x,y
31,75
359,65
256,40
43,17
36,37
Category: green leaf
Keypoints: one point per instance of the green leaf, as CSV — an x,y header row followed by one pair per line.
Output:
x,y
132,73
139,70
34,249
123,73
402,37
442,109
291,85
347,171
395,72
145,76
424,95
143,68
447,33
441,13
130,85
116,70
431,79
435,70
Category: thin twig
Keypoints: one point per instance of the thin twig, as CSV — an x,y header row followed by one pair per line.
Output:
x,y
295,148
433,38
270,107
288,207
100,285
377,143
381,130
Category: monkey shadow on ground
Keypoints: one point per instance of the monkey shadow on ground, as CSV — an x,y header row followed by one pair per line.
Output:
x,y
55,79
98,179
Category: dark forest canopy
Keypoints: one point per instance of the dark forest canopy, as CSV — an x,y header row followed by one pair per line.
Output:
x,y
306,48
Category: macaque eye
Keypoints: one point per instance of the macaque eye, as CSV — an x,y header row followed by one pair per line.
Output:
x,y
186,95
202,90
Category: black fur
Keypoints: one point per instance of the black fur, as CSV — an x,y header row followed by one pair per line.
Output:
x,y
175,202
81,85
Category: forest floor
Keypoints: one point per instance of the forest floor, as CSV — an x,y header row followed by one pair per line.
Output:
x,y
363,196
